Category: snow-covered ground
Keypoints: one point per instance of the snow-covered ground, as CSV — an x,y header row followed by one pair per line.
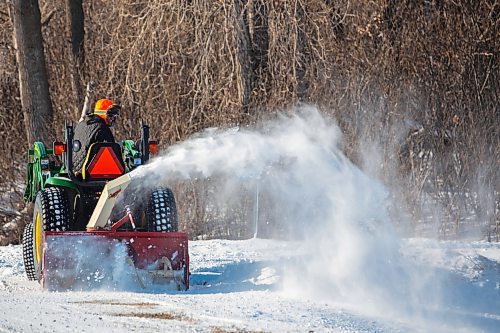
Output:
x,y
240,286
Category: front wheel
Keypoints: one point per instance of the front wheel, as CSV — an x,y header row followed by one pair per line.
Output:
x,y
162,211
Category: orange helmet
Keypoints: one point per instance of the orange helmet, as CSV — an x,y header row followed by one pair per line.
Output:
x,y
105,106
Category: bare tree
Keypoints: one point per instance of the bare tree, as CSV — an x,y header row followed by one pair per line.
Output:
x,y
33,79
74,12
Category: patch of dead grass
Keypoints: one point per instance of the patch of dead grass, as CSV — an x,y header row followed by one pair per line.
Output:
x,y
139,304
159,315
232,330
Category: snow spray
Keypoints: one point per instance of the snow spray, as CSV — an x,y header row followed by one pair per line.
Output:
x,y
349,252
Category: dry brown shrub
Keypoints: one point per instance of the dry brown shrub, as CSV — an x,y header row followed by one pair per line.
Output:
x,y
417,80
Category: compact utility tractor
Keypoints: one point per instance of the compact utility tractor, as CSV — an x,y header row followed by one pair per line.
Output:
x,y
78,241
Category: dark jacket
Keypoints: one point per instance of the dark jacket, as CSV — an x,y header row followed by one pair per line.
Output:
x,y
90,130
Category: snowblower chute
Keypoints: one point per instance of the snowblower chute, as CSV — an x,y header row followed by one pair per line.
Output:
x,y
75,243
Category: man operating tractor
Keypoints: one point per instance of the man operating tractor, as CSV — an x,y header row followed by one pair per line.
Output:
x,y
95,127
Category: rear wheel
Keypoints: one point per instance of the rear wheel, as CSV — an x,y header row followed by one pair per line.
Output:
x,y
51,213
162,211
28,254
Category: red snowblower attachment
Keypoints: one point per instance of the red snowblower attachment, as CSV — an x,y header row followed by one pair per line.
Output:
x,y
122,260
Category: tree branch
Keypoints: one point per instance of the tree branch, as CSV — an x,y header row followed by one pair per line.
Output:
x,y
9,212
4,17
48,17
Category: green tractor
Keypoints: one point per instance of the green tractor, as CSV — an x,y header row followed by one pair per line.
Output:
x,y
70,204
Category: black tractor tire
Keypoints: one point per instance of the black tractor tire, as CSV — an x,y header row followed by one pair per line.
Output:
x,y
162,211
51,213
28,252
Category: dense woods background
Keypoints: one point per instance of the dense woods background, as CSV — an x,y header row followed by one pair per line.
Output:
x,y
418,80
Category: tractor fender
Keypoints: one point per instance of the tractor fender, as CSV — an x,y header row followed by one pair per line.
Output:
x,y
61,182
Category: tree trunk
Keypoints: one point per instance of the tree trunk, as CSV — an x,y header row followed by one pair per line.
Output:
x,y
74,10
33,80
241,19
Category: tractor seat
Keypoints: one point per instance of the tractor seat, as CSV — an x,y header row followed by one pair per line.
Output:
x,y
103,162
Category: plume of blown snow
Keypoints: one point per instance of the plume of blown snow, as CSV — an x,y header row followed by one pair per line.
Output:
x,y
349,251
